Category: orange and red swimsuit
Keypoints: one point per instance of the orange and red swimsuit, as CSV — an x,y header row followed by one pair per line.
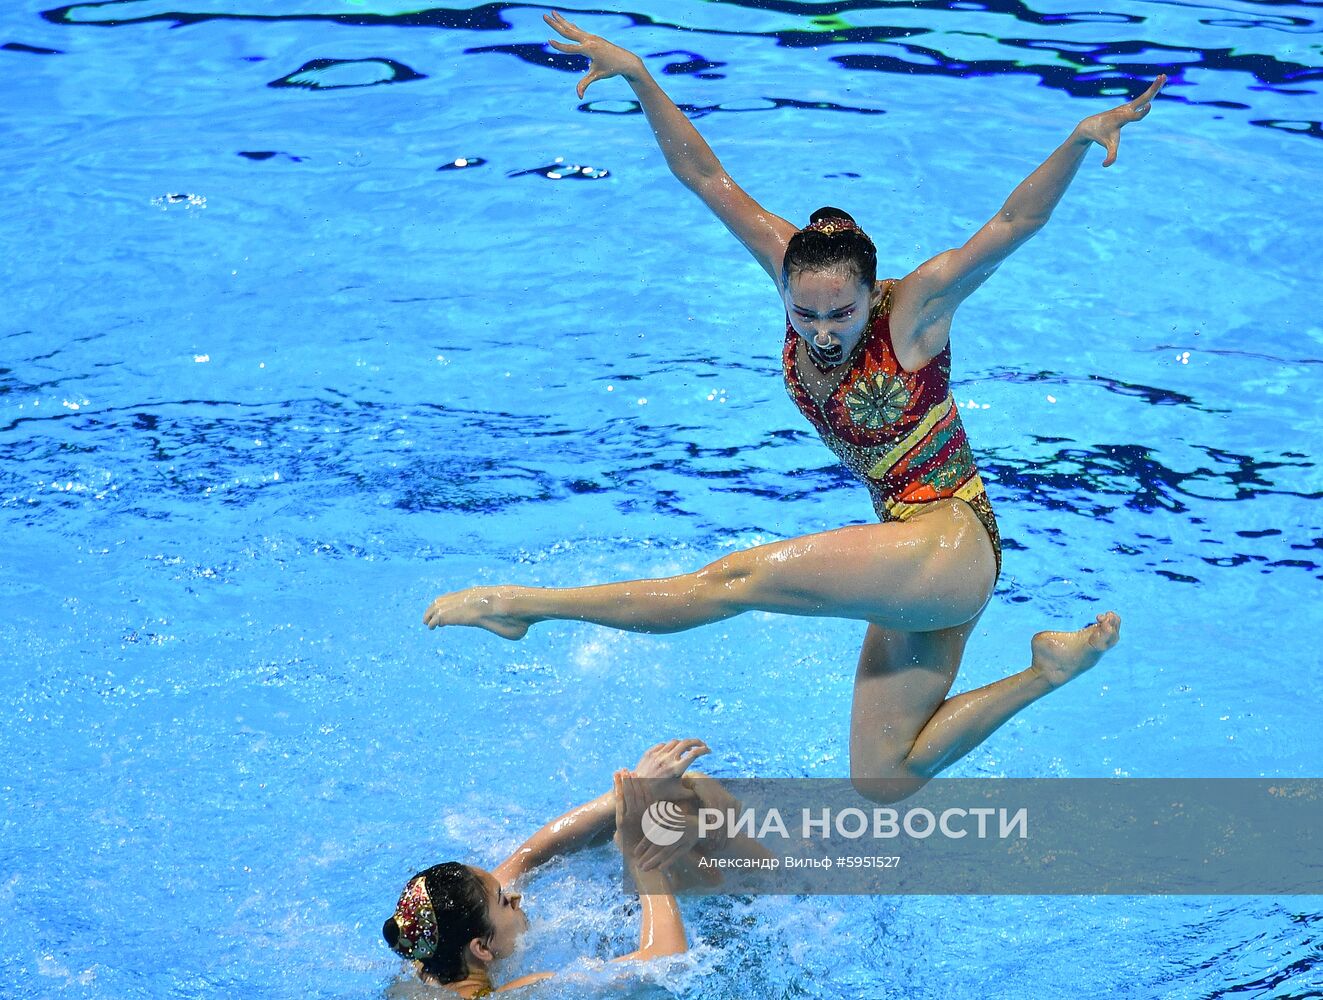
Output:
x,y
898,431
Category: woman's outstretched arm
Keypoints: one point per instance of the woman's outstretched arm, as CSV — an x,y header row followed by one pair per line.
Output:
x,y
925,300
581,827
688,155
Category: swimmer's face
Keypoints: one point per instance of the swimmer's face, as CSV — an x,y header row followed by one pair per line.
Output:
x,y
506,914
829,309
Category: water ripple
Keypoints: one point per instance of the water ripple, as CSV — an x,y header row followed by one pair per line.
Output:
x,y
945,38
186,460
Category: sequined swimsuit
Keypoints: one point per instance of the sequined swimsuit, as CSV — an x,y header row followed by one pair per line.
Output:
x,y
898,431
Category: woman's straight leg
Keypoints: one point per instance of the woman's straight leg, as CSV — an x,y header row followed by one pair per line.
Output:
x,y
932,571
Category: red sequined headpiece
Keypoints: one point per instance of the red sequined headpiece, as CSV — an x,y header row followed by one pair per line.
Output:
x,y
416,919
834,225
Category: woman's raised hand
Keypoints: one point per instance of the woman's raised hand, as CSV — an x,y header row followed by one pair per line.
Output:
x,y
636,796
607,59
663,764
1105,128
630,805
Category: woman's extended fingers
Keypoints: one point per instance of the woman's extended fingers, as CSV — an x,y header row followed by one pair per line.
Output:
x,y
677,749
677,752
574,47
1108,126
605,59
661,857
685,753
692,750
633,793
648,856
567,28
1142,102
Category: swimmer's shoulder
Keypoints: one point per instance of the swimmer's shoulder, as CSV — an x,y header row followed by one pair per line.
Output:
x,y
528,980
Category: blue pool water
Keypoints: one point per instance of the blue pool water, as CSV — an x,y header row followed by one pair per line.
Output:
x,y
271,380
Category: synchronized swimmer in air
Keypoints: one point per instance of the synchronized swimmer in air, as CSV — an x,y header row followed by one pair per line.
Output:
x,y
868,364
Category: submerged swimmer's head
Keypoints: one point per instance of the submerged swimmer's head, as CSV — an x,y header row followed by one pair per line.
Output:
x,y
452,917
827,280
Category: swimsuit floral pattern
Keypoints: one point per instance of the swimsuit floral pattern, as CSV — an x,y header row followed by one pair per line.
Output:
x,y
877,401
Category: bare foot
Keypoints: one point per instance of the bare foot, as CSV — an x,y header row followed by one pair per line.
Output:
x,y
482,607
1061,656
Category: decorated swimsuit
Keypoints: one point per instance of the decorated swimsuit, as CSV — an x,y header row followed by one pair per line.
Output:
x,y
898,431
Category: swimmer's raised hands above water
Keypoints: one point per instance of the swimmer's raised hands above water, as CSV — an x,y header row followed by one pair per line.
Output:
x,y
664,772
1105,128
665,763
687,153
607,58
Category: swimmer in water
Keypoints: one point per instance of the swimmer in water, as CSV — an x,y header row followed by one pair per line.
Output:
x,y
455,922
868,363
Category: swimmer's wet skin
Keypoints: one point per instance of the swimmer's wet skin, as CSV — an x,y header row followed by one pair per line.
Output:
x,y
868,363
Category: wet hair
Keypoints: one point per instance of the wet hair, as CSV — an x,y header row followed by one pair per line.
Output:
x,y
813,250
459,902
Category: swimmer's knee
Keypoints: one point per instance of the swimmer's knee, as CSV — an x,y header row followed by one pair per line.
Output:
x,y
731,580
888,787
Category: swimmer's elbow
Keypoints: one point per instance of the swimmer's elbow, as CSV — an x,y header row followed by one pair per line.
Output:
x,y
1020,227
704,181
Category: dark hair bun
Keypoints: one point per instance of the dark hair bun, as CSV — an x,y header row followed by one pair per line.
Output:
x,y
827,212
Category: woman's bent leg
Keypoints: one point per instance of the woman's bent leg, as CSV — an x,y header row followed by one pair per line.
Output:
x,y
903,728
930,572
